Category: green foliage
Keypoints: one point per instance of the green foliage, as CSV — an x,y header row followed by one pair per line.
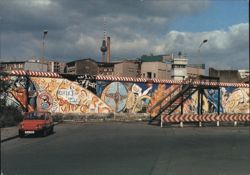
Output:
x,y
57,117
10,116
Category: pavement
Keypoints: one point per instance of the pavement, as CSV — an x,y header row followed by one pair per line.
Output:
x,y
130,149
9,133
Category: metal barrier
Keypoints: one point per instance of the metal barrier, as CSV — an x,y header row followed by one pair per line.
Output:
x,y
204,118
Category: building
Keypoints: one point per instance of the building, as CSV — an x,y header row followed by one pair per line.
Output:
x,y
179,67
153,67
90,67
34,65
243,74
52,65
127,68
84,66
231,76
105,68
55,66
195,70
23,65
12,65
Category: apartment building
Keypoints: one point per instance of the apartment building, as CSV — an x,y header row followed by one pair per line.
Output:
x,y
127,68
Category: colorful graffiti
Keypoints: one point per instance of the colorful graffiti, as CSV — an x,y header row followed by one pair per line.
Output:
x,y
59,95
63,96
88,82
235,100
19,93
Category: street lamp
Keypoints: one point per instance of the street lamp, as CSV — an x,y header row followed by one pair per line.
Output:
x,y
199,51
200,92
204,41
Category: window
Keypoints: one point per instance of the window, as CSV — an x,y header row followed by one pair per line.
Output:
x,y
149,75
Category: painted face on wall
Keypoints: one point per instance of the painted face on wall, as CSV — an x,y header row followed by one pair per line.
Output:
x,y
44,101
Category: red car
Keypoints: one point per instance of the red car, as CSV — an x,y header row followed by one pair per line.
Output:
x,y
36,123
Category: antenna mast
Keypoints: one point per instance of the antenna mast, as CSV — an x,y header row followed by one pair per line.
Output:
x,y
104,46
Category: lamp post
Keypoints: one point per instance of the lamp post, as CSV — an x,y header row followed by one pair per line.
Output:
x,y
200,90
203,42
199,50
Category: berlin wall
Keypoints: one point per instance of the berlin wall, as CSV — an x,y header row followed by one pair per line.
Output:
x,y
115,94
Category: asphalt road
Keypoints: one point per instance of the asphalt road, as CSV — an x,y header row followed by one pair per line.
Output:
x,y
130,148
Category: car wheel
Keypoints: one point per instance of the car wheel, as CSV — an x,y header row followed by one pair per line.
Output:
x,y
52,130
21,134
44,132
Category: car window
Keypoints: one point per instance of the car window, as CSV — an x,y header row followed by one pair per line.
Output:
x,y
35,116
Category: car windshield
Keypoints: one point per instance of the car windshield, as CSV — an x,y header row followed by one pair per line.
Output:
x,y
35,116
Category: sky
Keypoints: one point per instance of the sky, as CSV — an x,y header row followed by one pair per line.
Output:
x,y
136,27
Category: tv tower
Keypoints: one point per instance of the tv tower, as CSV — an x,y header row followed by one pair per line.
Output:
x,y
104,45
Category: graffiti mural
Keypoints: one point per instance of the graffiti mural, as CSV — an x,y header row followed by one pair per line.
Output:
x,y
138,97
115,95
63,96
44,101
59,95
235,100
88,82
21,93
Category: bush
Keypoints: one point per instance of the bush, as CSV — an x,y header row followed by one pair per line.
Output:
x,y
10,116
57,117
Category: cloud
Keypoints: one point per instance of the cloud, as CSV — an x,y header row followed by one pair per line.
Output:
x,y
137,27
223,49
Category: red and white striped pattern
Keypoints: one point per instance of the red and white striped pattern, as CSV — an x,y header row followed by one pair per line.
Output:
x,y
166,81
43,74
114,78
221,84
205,118
18,72
133,79
35,74
5,78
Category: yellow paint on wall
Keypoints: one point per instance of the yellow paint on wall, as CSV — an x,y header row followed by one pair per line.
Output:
x,y
69,97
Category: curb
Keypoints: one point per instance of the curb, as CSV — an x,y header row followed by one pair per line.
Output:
x,y
9,138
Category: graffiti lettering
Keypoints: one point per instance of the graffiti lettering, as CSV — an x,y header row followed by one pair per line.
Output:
x,y
68,94
86,84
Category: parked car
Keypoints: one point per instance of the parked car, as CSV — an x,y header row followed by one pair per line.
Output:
x,y
40,123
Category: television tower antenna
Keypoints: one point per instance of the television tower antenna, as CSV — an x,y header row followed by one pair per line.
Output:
x,y
104,45
104,29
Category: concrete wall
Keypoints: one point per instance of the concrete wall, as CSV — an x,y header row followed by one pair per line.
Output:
x,y
195,71
59,95
156,69
231,76
126,69
35,66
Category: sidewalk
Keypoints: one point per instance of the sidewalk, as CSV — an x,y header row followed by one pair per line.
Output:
x,y
9,133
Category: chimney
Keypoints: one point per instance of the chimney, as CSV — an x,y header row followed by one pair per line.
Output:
x,y
108,50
